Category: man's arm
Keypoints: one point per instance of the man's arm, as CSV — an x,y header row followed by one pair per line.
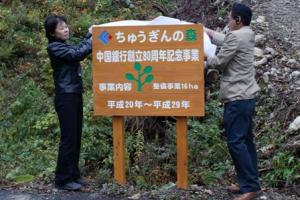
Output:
x,y
226,53
216,37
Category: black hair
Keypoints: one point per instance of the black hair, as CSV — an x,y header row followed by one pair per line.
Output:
x,y
51,23
241,12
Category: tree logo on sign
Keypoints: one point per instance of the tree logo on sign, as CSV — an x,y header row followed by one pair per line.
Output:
x,y
191,35
138,80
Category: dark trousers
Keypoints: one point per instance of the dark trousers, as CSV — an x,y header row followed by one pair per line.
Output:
x,y
69,110
238,127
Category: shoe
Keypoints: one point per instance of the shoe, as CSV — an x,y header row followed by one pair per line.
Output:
x,y
81,181
71,186
234,189
247,196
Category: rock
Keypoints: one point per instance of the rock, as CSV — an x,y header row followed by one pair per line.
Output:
x,y
292,62
266,148
21,197
269,57
168,186
258,52
284,59
271,90
263,61
263,197
266,77
295,125
129,3
104,186
274,71
196,187
292,87
261,19
136,196
270,51
287,70
260,39
131,189
54,190
208,192
297,83
295,74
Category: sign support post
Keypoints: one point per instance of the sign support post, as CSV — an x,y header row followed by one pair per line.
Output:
x,y
182,152
119,150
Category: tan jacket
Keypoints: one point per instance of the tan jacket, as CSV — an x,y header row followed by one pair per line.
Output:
x,y
236,62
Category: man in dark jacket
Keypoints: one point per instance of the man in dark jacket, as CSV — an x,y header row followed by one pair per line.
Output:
x,y
65,61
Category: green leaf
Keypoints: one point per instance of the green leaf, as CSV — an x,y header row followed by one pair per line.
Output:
x,y
137,66
148,70
149,78
291,159
129,76
168,186
24,178
140,180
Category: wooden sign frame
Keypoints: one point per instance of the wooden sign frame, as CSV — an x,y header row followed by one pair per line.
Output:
x,y
191,75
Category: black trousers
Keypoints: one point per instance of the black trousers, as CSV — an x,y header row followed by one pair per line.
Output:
x,y
69,109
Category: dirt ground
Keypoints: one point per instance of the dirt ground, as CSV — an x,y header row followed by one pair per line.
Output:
x,y
121,193
284,23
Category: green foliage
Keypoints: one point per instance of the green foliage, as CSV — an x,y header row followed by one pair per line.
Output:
x,y
284,165
7,51
150,163
25,131
135,149
285,169
19,178
208,151
223,11
104,176
29,127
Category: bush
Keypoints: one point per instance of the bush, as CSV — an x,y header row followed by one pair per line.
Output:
x,y
285,168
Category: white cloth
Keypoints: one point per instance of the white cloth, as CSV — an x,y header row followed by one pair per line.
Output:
x,y
209,48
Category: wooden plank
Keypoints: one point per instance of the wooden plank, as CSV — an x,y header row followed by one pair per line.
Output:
x,y
119,150
177,84
195,105
182,150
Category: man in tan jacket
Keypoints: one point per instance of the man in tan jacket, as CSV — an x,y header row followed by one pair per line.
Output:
x,y
238,89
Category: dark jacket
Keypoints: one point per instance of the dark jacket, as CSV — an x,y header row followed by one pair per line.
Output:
x,y
65,61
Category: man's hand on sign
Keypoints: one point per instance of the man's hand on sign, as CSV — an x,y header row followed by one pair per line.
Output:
x,y
209,32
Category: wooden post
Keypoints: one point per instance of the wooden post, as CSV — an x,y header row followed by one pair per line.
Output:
x,y
119,150
182,149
